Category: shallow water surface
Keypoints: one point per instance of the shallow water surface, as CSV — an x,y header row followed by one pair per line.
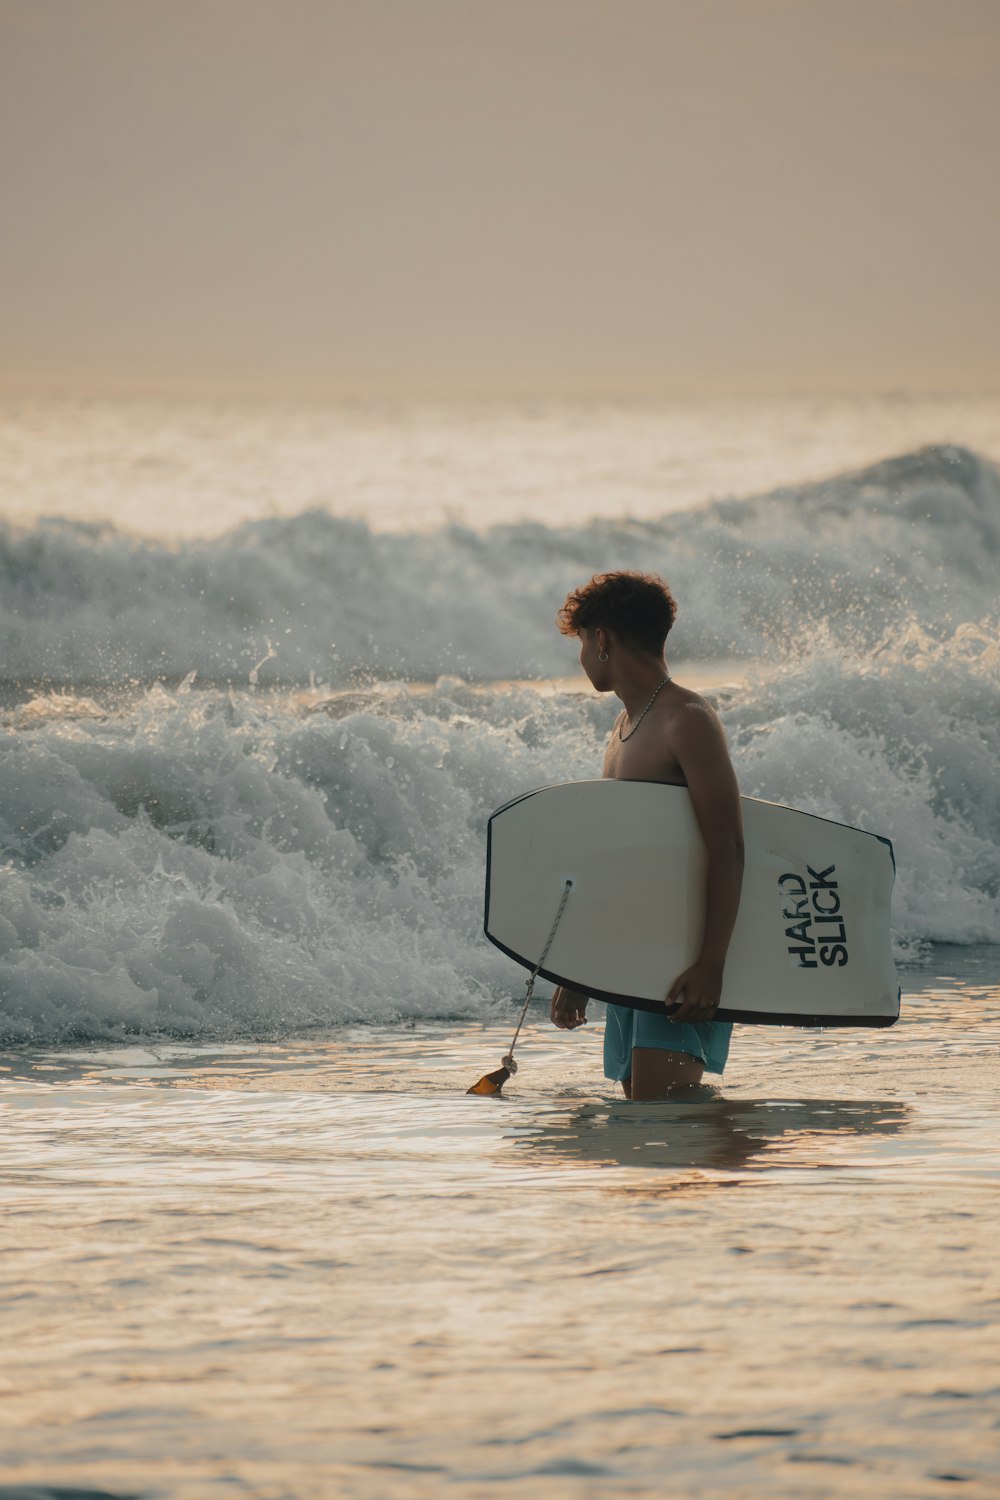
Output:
x,y
318,1268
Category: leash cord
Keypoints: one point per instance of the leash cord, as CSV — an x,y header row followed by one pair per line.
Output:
x,y
508,1060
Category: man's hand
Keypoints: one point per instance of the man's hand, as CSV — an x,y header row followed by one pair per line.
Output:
x,y
696,993
568,1009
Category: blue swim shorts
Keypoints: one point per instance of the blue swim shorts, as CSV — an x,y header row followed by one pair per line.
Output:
x,y
626,1028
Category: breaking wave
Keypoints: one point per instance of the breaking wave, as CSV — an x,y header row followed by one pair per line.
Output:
x,y
214,863
322,597
209,861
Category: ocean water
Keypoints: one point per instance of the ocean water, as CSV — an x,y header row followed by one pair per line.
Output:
x,y
257,1240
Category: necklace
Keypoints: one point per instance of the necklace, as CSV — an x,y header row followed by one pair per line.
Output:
x,y
635,726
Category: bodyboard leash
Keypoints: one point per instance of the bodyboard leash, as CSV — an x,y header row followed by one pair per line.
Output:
x,y
492,1083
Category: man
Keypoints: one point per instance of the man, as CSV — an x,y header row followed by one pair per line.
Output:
x,y
666,733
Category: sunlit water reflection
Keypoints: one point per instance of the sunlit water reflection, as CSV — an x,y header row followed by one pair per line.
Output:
x,y
318,1268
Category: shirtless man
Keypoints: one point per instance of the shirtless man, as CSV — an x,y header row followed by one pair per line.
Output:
x,y
667,733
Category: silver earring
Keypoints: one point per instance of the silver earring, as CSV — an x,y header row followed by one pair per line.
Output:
x,y
602,656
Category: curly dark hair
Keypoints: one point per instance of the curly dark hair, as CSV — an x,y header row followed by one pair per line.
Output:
x,y
638,607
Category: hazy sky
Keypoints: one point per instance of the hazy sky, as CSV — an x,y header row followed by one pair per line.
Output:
x,y
500,196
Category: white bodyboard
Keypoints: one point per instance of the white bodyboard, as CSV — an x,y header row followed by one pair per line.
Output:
x,y
811,946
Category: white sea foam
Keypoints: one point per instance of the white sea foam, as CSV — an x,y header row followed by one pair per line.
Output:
x,y
212,863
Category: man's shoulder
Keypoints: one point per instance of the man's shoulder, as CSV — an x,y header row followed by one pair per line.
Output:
x,y
696,740
684,694
690,707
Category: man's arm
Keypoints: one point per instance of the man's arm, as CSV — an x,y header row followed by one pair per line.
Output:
x,y
699,744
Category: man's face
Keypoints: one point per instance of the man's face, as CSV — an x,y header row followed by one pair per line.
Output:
x,y
590,652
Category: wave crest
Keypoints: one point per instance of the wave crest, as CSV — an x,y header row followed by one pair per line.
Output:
x,y
322,597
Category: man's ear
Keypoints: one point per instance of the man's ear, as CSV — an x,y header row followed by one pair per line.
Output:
x,y
601,639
